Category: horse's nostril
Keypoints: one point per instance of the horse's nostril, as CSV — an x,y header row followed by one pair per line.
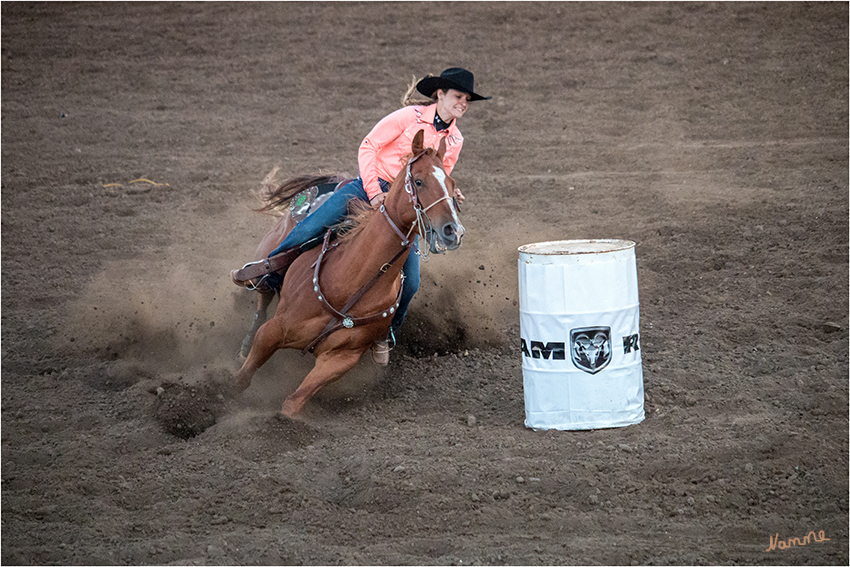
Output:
x,y
448,231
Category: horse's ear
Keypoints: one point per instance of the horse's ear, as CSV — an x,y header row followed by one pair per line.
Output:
x,y
418,142
441,152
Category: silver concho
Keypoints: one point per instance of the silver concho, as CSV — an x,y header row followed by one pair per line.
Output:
x,y
348,322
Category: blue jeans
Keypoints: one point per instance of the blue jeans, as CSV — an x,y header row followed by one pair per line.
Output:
x,y
333,211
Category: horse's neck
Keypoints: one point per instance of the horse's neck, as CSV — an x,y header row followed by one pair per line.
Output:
x,y
376,245
378,242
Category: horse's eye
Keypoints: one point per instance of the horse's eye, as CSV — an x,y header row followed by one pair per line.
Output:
x,y
419,183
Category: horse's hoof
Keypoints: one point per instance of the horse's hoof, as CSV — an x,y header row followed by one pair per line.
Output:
x,y
239,383
284,417
290,410
298,426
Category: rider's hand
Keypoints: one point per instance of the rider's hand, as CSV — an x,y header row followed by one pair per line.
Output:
x,y
377,200
459,196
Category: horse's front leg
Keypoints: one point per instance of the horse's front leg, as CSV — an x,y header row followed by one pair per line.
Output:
x,y
268,339
330,366
260,317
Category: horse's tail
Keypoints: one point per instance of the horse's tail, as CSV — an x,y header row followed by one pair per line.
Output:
x,y
275,197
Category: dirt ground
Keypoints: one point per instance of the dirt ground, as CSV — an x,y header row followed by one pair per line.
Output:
x,y
715,136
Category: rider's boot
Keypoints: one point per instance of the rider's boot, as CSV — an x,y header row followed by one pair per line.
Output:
x,y
381,353
264,274
381,349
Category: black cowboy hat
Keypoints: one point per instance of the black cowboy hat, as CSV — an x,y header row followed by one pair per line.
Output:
x,y
454,78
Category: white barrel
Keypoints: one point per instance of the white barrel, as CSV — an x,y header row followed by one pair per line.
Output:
x,y
579,332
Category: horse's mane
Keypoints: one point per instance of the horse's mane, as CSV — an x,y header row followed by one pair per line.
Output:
x,y
275,198
355,221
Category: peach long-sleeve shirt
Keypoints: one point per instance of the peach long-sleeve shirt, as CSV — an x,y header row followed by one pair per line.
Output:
x,y
383,150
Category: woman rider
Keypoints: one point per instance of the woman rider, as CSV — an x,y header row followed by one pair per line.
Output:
x,y
380,159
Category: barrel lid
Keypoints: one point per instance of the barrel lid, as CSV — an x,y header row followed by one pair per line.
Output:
x,y
568,247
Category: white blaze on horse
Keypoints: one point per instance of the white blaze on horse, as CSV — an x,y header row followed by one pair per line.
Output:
x,y
340,297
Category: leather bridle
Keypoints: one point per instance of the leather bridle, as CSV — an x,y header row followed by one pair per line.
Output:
x,y
422,220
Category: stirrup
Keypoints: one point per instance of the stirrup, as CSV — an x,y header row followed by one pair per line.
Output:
x,y
266,266
251,270
237,277
269,283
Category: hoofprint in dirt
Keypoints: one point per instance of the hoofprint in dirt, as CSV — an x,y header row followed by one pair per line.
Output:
x,y
713,135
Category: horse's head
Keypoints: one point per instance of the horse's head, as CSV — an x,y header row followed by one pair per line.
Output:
x,y
430,189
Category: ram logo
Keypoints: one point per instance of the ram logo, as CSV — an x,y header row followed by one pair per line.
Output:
x,y
591,348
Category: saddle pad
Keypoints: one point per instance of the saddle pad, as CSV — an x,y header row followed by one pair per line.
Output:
x,y
309,200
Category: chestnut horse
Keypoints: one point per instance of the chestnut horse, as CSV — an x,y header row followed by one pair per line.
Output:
x,y
365,263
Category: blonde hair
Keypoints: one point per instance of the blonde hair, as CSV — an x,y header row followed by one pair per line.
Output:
x,y
412,96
